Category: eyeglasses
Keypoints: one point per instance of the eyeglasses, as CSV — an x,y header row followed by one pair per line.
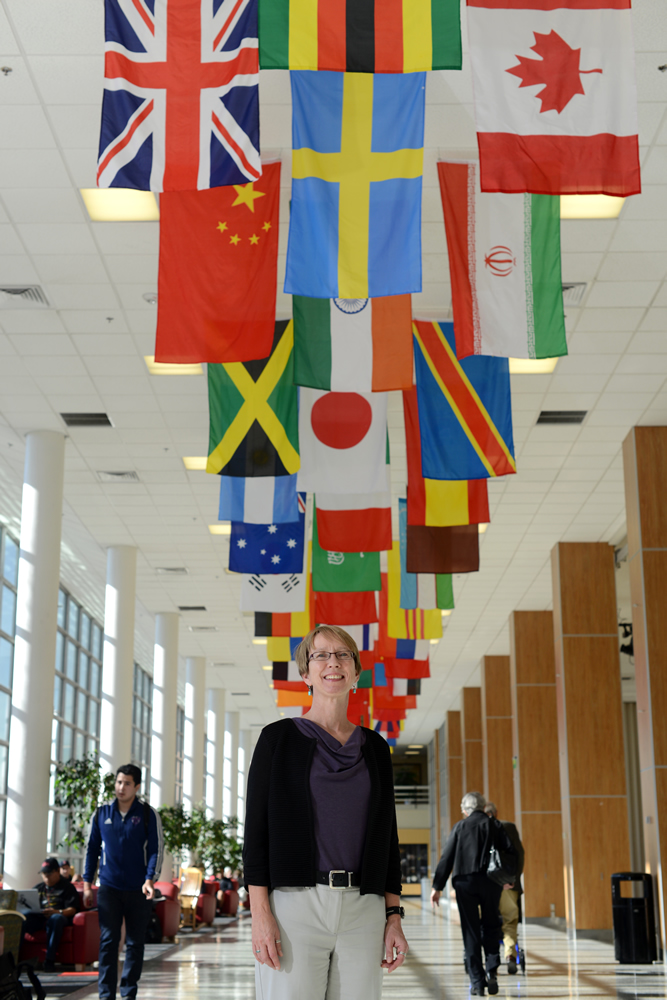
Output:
x,y
342,655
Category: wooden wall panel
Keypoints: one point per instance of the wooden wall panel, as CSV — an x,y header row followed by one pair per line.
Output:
x,y
471,735
590,730
535,747
454,752
497,734
645,472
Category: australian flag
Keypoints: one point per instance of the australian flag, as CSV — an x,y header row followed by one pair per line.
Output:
x,y
181,107
268,548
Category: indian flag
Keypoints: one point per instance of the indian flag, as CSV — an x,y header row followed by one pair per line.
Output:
x,y
353,345
504,265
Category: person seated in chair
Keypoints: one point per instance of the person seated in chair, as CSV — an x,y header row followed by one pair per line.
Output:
x,y
67,872
59,901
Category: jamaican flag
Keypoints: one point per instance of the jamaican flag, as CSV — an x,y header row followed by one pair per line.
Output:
x,y
253,418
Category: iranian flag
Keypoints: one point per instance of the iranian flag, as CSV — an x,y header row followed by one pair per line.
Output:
x,y
362,345
504,265
354,522
555,96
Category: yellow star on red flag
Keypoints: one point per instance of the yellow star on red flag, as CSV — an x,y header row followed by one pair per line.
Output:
x,y
246,195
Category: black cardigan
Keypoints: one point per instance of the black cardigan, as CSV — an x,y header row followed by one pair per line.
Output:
x,y
279,831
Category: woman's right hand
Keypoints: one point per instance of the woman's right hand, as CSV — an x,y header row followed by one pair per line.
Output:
x,y
266,944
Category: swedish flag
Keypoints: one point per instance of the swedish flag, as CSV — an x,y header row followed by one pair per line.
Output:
x,y
357,161
253,416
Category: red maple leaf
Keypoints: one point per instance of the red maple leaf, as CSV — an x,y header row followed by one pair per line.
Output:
x,y
558,69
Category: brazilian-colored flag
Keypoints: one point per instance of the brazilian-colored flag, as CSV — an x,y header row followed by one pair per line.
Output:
x,y
360,36
253,416
344,572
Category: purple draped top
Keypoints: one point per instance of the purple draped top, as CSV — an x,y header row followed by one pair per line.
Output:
x,y
340,789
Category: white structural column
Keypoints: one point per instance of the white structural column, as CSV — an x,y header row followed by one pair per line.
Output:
x,y
215,734
195,727
230,784
245,753
34,657
165,680
118,657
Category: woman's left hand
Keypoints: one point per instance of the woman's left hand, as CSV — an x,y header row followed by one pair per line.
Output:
x,y
394,939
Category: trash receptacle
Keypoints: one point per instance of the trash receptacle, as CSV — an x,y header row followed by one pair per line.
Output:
x,y
634,918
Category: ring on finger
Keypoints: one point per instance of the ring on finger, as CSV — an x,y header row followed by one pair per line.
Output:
x,y
257,951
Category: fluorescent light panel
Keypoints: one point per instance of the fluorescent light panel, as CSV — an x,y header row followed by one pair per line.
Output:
x,y
157,368
532,366
195,463
120,205
224,528
481,528
261,642
590,206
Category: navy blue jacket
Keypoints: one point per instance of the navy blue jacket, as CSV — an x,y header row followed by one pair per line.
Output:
x,y
128,852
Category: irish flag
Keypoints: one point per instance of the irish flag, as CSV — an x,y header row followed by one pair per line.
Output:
x,y
555,96
360,345
504,265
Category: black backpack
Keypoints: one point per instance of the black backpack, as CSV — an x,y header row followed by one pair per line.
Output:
x,y
11,987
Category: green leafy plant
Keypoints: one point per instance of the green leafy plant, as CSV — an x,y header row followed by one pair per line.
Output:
x,y
194,834
80,787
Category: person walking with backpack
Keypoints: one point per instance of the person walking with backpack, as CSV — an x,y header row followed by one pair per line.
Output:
x,y
466,858
126,840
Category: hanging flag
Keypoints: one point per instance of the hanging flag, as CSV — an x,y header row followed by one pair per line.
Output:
x,y
354,522
280,593
504,267
341,572
355,217
218,272
442,550
384,700
409,669
577,133
400,649
260,499
363,345
180,110
413,623
285,699
465,409
253,418
286,671
438,502
421,590
345,609
267,548
359,37
343,442
281,648
363,635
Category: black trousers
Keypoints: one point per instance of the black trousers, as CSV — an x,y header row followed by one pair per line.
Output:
x,y
113,905
478,899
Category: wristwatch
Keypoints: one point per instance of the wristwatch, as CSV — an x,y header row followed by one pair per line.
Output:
x,y
395,909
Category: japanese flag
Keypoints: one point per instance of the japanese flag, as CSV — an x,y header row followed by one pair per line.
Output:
x,y
343,442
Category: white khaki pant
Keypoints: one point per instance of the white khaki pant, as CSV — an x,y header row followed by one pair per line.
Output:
x,y
332,942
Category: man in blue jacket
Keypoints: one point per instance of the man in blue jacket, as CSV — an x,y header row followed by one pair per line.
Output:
x,y
126,840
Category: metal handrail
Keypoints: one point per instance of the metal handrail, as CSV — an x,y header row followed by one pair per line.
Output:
x,y
411,795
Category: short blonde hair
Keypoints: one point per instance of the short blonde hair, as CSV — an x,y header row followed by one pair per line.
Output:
x,y
333,632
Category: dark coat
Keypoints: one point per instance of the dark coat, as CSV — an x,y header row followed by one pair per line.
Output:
x,y
467,849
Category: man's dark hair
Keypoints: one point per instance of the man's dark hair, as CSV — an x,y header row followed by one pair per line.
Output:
x,y
132,771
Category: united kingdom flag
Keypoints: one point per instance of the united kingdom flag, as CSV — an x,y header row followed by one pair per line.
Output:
x,y
181,106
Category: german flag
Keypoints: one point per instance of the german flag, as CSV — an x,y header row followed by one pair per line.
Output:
x,y
360,36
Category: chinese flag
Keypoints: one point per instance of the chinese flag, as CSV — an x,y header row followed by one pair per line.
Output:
x,y
218,272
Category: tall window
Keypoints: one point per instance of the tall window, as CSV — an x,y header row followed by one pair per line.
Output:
x,y
240,809
180,753
142,723
227,807
9,566
76,692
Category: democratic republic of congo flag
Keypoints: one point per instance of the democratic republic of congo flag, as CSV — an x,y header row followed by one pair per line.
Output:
x,y
465,408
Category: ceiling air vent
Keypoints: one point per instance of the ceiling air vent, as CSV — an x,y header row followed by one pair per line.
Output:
x,y
191,607
573,293
203,628
118,477
240,694
86,419
561,416
23,297
217,664
171,570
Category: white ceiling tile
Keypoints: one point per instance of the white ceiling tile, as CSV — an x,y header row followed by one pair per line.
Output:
x,y
133,268
580,266
633,267
83,296
144,320
127,237
17,87
70,268
608,320
23,168
655,319
10,244
131,405
69,26
37,346
31,321
64,362
579,236
96,344
25,127
76,126
44,205
69,79
49,238
82,165
641,236
624,399
109,322
621,293
578,363
16,269
74,402
661,297
652,202
121,386
64,385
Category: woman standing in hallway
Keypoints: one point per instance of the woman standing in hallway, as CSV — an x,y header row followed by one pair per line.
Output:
x,y
321,858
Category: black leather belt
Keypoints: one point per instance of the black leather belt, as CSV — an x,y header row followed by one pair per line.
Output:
x,y
338,879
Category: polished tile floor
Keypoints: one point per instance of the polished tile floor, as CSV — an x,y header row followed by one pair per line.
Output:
x,y
219,964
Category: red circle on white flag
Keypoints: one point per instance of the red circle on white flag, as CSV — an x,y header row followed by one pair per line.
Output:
x,y
341,419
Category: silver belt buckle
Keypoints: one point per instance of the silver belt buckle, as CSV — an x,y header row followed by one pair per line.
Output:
x,y
339,871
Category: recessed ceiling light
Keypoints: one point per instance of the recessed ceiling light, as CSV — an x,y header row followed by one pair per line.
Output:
x,y
415,746
446,613
590,206
532,366
120,205
408,753
171,570
224,528
269,666
158,368
260,642
434,642
195,463
481,528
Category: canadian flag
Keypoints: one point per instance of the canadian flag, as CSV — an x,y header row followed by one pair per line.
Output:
x,y
555,96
